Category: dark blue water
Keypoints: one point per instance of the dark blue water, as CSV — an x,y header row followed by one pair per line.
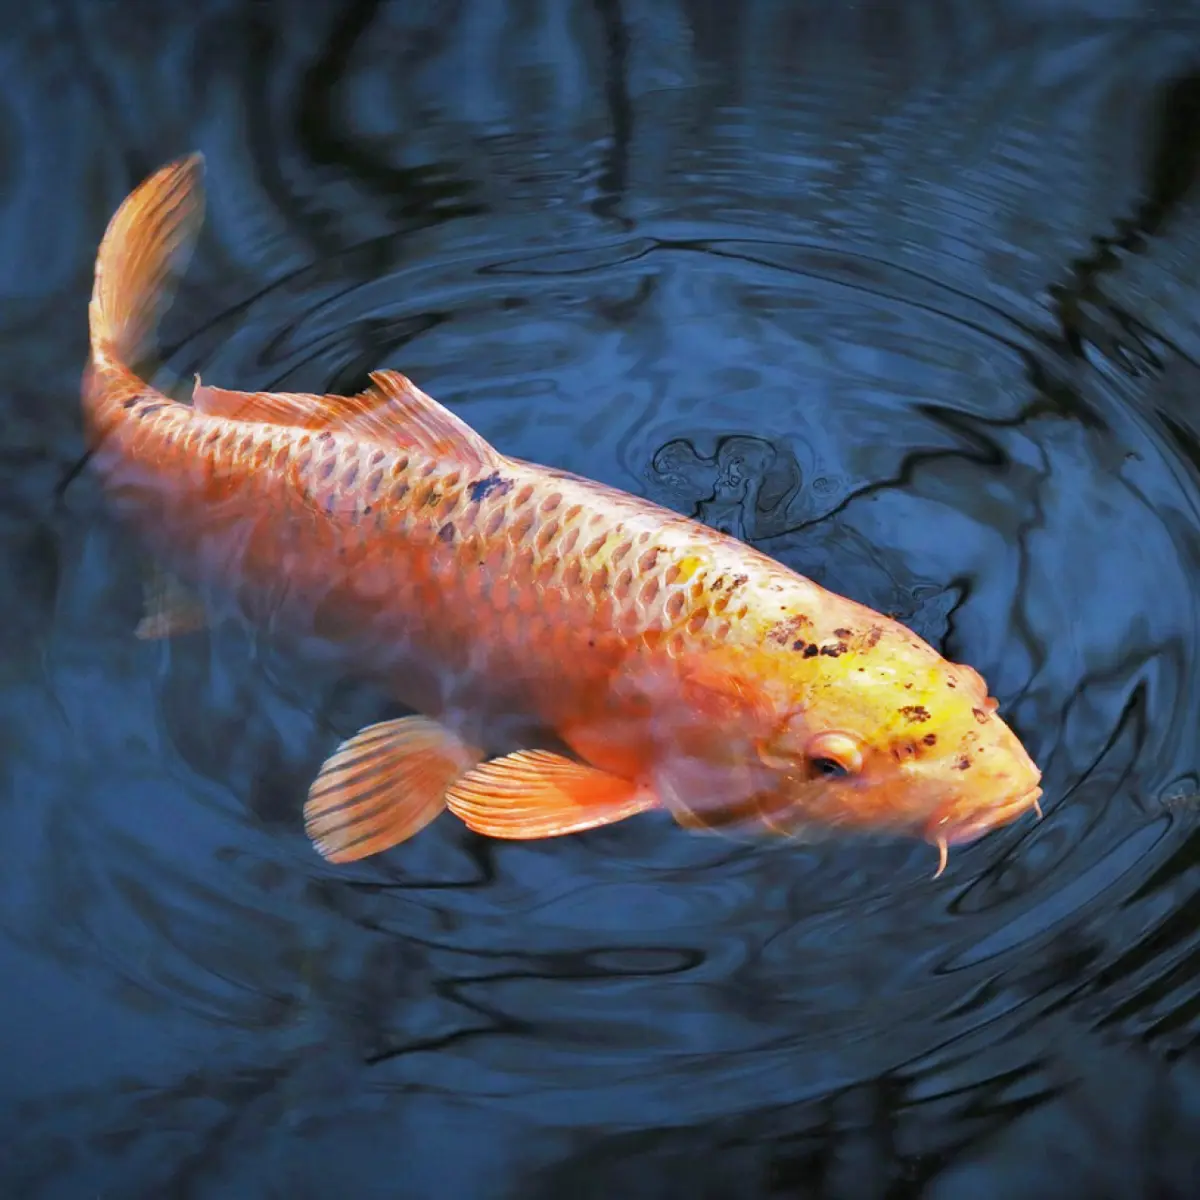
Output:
x,y
906,295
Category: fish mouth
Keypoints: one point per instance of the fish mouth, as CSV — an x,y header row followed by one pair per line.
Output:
x,y
943,834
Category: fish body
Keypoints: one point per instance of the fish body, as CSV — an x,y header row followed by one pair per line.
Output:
x,y
574,654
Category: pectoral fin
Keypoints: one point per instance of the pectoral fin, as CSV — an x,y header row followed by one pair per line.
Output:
x,y
537,794
171,608
382,786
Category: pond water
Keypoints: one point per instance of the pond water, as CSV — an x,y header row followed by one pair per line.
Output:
x,y
907,297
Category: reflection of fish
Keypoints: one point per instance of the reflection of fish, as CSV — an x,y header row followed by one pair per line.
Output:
x,y
577,655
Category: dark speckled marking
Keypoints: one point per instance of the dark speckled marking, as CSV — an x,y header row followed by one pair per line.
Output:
x,y
447,532
834,650
963,763
930,739
979,715
149,410
873,636
842,633
798,644
130,403
787,629
485,487
915,712
812,650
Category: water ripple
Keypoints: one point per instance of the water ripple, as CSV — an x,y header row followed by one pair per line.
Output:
x,y
903,295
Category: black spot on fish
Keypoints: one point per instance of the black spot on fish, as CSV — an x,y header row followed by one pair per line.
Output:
x,y
446,533
738,580
951,684
842,633
874,636
130,403
798,644
433,498
963,763
787,629
812,651
149,410
834,650
485,487
915,712
930,739
979,715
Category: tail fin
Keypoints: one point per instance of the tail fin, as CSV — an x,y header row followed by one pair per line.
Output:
x,y
145,247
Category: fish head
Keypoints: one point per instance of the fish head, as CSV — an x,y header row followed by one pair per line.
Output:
x,y
877,731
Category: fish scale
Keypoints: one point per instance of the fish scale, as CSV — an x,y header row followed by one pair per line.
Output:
x,y
575,655
529,549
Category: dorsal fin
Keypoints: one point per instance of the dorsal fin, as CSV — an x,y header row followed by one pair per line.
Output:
x,y
299,409
392,411
393,403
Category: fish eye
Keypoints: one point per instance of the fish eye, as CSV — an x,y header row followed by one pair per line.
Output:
x,y
830,768
834,755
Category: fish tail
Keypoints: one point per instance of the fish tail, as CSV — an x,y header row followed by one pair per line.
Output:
x,y
144,249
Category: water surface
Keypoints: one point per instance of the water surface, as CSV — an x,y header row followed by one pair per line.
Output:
x,y
907,298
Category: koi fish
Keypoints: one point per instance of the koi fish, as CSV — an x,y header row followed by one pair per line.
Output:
x,y
573,655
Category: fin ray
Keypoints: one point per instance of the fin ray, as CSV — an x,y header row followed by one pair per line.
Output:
x,y
171,608
538,794
392,411
298,409
382,786
143,250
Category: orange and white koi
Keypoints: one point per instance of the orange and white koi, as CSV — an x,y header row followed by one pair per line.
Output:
x,y
574,655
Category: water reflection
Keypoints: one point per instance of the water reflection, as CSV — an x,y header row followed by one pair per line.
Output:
x,y
906,301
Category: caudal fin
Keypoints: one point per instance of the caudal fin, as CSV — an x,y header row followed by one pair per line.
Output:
x,y
144,249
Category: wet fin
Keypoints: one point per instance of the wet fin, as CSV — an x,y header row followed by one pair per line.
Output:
x,y
171,608
382,786
297,409
144,249
394,402
538,794
392,411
